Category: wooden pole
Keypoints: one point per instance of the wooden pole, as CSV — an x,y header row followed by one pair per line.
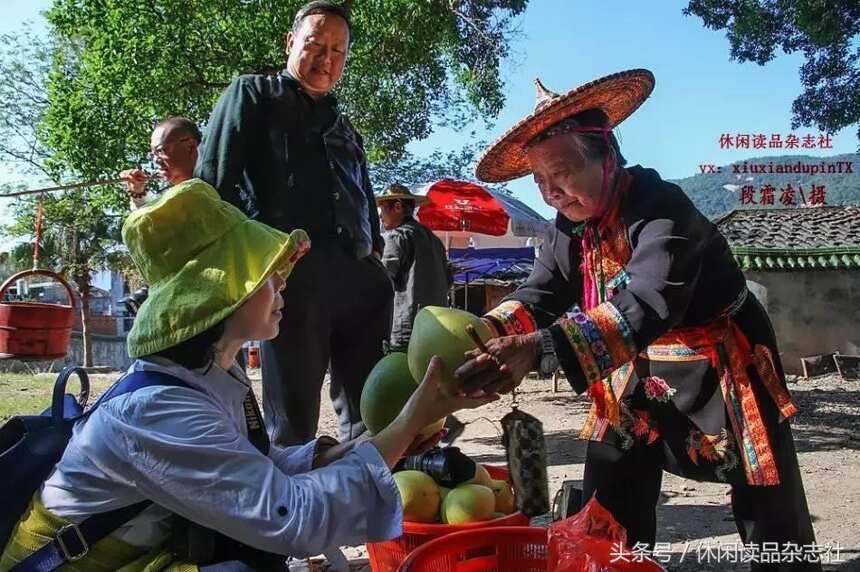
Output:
x,y
70,187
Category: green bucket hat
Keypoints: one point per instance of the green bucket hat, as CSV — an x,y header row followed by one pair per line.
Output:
x,y
202,258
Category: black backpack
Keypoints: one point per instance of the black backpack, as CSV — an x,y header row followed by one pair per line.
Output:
x,y
30,447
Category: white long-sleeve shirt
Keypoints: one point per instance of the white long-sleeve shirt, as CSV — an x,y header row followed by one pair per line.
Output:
x,y
186,450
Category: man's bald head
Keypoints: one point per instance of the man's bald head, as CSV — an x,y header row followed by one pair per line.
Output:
x,y
180,126
173,148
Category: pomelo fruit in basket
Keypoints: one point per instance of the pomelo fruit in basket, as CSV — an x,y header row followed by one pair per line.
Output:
x,y
482,477
442,332
504,496
419,495
387,389
468,503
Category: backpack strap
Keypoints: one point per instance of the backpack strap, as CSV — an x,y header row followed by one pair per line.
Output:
x,y
73,541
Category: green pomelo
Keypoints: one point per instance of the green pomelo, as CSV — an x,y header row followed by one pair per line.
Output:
x,y
469,503
443,492
442,332
419,495
387,389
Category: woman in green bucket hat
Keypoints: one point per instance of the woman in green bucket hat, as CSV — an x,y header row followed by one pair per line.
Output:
x,y
193,451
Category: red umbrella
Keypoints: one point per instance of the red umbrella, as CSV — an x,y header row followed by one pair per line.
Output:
x,y
463,206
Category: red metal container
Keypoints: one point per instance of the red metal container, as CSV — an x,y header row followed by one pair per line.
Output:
x,y
34,330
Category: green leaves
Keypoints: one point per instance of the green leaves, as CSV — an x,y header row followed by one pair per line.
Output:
x,y
826,31
142,60
82,104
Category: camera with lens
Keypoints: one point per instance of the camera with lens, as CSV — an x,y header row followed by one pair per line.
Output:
x,y
448,466
134,300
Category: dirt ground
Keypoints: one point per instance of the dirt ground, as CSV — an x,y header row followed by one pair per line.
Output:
x,y
695,518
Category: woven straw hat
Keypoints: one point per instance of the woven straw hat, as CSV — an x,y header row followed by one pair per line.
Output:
x,y
617,95
396,192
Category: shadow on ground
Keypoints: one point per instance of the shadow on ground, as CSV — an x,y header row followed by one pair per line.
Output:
x,y
562,448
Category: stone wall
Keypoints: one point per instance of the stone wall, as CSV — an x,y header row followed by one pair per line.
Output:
x,y
813,312
108,351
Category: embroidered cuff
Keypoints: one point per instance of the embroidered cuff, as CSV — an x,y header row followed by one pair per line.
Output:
x,y
511,318
567,359
601,339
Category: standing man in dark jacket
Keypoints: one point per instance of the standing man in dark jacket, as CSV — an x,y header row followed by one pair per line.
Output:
x,y
414,258
418,266
278,148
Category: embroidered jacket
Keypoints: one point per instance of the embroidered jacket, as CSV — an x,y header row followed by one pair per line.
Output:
x,y
642,306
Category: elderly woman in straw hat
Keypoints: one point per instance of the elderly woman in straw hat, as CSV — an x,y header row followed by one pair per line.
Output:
x,y
638,298
187,446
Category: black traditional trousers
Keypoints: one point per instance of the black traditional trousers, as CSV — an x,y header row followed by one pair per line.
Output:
x,y
337,310
650,315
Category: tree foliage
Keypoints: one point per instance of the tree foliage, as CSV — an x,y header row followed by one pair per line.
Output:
x,y
414,171
25,63
827,32
412,63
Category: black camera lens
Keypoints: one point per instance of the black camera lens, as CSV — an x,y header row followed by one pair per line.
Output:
x,y
448,467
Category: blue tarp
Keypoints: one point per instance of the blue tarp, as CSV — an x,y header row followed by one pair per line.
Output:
x,y
471,264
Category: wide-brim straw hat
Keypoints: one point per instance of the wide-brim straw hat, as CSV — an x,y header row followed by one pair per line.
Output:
x,y
617,95
202,258
397,192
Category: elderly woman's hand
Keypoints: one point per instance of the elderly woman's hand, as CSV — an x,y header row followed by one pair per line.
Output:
x,y
502,368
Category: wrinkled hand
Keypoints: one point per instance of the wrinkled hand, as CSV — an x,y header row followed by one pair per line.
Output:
x,y
135,182
502,368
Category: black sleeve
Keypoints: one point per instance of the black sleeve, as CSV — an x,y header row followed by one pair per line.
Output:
x,y
547,292
395,256
222,158
375,232
544,298
663,270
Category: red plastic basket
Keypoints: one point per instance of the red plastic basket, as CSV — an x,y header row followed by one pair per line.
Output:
x,y
500,549
388,555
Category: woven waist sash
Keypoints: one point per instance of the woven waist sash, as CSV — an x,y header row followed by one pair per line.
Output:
x,y
730,353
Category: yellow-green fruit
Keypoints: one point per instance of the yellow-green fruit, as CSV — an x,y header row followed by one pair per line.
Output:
x,y
504,496
431,429
443,492
482,477
442,332
468,503
419,496
387,389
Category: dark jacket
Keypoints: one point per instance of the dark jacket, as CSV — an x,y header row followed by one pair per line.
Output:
x,y
291,161
415,259
681,271
679,341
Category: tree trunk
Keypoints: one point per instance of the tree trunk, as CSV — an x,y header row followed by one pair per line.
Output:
x,y
84,288
85,329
